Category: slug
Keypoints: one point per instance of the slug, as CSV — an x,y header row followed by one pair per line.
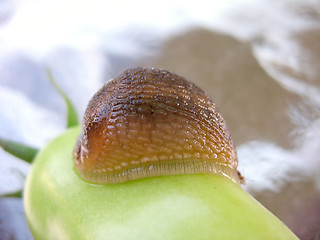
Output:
x,y
151,122
145,123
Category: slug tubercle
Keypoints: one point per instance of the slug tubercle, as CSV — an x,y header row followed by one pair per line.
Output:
x,y
150,122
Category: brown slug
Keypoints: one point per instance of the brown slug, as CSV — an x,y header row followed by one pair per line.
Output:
x,y
150,122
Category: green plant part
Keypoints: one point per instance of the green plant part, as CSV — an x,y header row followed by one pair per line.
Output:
x,y
154,160
72,118
22,151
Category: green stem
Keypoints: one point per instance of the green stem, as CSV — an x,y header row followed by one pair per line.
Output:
x,y
72,119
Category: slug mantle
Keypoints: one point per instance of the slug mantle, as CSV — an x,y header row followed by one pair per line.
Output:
x,y
150,122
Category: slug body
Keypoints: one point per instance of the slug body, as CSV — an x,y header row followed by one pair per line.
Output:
x,y
150,122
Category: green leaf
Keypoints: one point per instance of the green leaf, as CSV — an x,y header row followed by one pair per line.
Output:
x,y
19,150
17,194
72,119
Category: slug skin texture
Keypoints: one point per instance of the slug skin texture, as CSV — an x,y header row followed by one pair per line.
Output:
x,y
150,122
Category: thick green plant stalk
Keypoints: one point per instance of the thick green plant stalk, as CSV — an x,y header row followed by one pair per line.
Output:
x,y
60,205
